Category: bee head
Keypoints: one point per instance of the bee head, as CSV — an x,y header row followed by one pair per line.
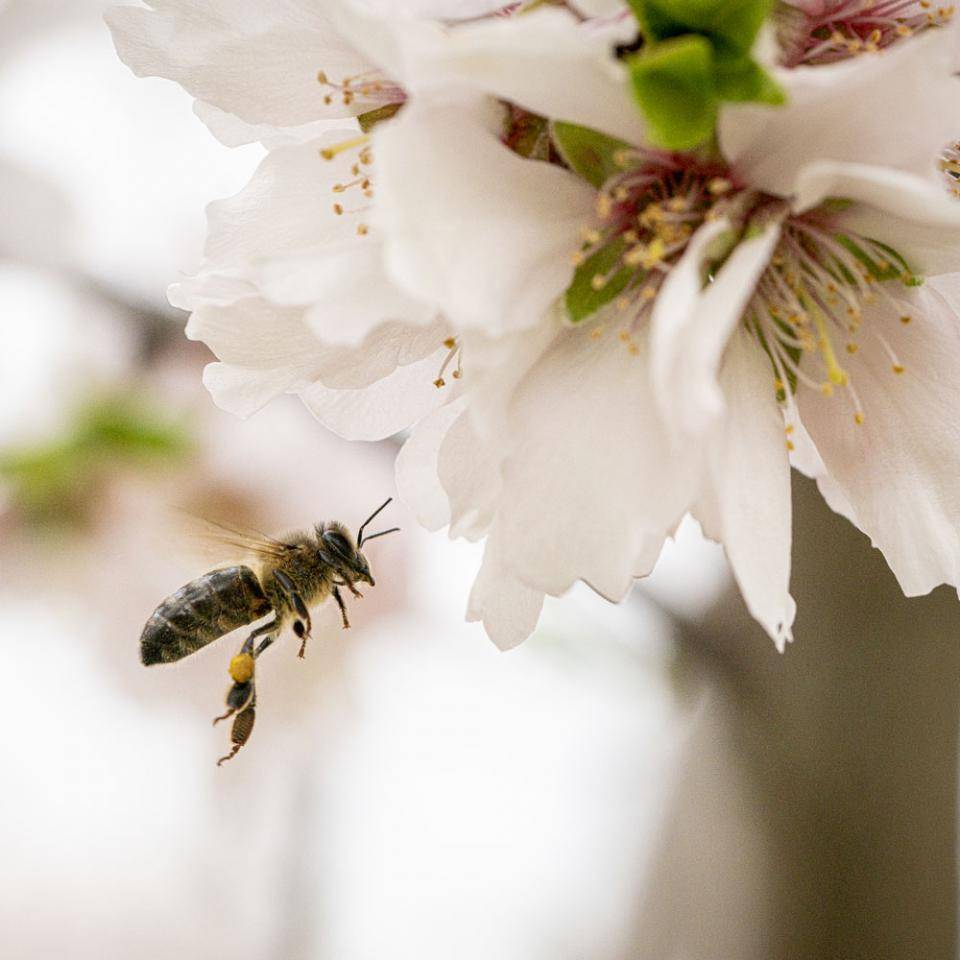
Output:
x,y
338,548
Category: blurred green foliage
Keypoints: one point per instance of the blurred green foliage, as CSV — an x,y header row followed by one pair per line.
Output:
x,y
56,481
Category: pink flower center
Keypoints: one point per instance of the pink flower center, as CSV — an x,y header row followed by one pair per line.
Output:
x,y
825,31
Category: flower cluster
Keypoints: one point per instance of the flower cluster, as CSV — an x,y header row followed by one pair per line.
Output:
x,y
613,263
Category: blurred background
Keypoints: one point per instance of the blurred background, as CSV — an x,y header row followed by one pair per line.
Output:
x,y
650,780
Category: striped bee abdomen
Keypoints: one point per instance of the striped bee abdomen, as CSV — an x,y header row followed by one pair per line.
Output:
x,y
202,611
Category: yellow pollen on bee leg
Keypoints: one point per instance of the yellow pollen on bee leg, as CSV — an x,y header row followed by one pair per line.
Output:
x,y
241,667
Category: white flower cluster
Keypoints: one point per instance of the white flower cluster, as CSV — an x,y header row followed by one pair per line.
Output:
x,y
466,225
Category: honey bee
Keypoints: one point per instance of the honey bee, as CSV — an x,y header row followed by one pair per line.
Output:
x,y
289,576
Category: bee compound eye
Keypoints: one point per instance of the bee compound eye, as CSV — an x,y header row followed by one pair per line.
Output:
x,y
338,543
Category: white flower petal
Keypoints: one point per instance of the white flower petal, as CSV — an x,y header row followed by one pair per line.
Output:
x,y
590,478
508,610
919,219
746,503
418,481
344,288
243,391
546,61
256,60
380,387
806,458
692,322
899,468
287,205
471,226
231,131
899,107
380,409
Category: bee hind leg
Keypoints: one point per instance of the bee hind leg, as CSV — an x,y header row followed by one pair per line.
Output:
x,y
240,734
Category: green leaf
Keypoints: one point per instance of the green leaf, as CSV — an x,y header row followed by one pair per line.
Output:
x,y
590,154
674,84
581,299
742,79
733,25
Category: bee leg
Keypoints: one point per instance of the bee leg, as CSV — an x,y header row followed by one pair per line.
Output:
x,y
240,734
240,696
349,585
304,625
303,632
343,608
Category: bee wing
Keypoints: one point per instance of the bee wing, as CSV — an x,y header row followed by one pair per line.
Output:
x,y
223,542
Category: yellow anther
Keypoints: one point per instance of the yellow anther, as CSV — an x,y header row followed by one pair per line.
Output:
x,y
439,382
604,205
241,667
790,446
905,319
328,153
898,368
598,281
852,347
362,229
826,389
788,429
858,418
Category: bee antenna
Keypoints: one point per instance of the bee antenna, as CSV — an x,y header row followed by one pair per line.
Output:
x,y
382,533
363,525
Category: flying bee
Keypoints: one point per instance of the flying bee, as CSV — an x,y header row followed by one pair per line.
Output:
x,y
289,576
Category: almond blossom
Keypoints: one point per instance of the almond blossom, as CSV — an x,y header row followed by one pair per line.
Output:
x,y
594,334
732,365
